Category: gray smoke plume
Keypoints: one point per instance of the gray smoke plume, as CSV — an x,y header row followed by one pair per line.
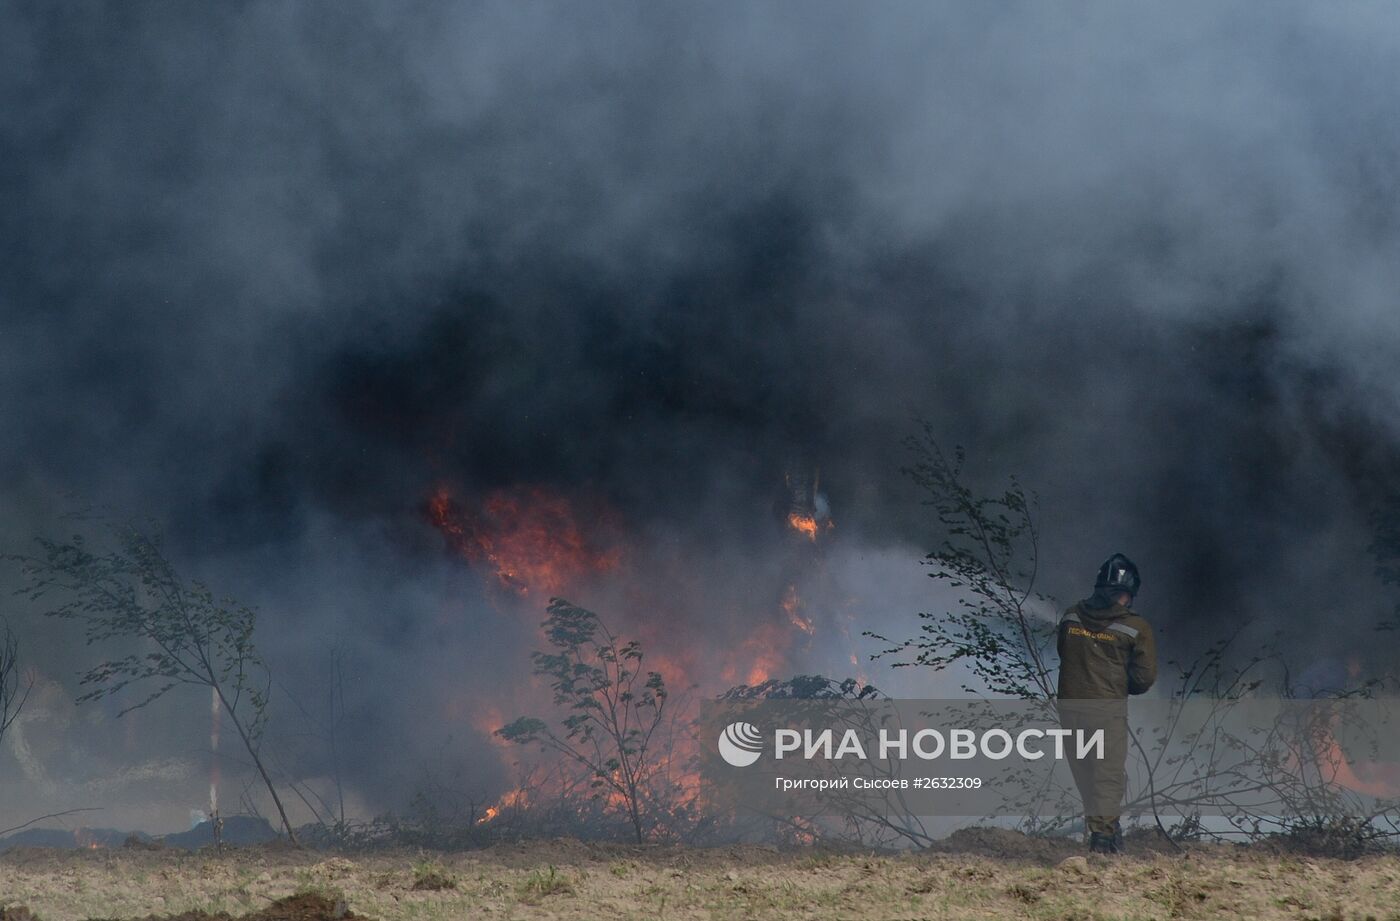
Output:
x,y
273,274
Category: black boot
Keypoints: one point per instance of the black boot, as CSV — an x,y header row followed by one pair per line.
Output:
x,y
1100,843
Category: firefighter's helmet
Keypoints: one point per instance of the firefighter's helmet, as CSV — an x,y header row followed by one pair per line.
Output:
x,y
1118,574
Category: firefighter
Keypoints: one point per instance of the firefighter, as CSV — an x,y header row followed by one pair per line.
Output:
x,y
1107,652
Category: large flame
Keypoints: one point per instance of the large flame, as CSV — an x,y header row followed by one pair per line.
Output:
x,y
537,544
530,537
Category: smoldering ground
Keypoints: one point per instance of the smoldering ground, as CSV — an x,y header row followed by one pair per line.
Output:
x,y
274,274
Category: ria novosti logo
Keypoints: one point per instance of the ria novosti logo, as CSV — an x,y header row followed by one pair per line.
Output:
x,y
740,744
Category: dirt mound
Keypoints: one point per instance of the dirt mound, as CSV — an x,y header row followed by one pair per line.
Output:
x,y
301,907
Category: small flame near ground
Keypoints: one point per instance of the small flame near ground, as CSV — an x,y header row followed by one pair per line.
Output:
x,y
86,839
514,799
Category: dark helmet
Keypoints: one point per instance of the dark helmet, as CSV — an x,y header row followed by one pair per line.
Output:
x,y
1118,574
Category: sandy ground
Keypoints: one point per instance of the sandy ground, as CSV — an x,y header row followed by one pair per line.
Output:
x,y
566,879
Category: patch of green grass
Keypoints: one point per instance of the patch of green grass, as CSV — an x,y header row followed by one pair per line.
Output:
x,y
430,876
544,881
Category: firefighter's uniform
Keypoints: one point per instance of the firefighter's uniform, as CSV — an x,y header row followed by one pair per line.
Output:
x,y
1106,653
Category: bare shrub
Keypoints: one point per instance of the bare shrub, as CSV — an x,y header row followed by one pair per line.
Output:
x,y
13,691
129,591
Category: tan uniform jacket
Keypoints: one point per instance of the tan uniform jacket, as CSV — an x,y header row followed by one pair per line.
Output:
x,y
1105,653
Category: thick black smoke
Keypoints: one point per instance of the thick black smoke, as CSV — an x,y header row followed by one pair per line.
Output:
x,y
272,273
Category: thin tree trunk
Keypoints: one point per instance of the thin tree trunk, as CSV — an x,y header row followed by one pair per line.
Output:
x,y
257,762
636,819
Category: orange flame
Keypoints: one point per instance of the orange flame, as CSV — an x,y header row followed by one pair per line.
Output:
x,y
530,538
511,799
803,831
805,525
1370,778
84,838
537,544
809,526
764,650
792,607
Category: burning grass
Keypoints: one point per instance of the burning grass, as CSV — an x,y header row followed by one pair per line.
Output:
x,y
975,875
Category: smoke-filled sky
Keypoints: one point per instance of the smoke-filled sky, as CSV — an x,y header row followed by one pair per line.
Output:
x,y
274,273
